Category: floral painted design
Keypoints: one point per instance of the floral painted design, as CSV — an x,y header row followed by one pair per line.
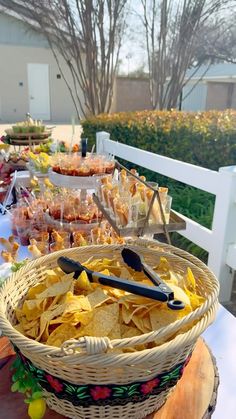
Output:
x,y
149,386
102,395
55,383
99,392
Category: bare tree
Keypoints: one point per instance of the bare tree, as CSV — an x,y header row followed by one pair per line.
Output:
x,y
87,35
216,42
172,30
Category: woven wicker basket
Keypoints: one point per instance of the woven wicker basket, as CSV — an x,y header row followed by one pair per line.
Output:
x,y
127,385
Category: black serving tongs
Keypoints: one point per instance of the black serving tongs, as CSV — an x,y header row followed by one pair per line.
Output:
x,y
137,263
69,266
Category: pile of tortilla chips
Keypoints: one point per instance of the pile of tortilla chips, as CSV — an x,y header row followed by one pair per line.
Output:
x,y
60,308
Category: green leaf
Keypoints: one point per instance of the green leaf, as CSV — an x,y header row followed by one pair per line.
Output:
x,y
21,390
15,386
28,401
37,395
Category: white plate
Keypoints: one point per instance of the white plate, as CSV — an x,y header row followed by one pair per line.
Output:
x,y
73,182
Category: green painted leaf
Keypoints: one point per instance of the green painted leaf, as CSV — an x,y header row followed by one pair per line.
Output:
x,y
133,392
133,386
82,388
81,396
119,393
121,388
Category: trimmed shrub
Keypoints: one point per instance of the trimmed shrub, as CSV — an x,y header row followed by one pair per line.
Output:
x,y
207,139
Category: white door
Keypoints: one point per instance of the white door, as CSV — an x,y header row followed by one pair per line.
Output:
x,y
38,85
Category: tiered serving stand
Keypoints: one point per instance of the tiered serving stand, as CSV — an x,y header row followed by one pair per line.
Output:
x,y
82,183
28,138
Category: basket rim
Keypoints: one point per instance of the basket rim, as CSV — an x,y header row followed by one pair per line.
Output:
x,y
104,359
86,343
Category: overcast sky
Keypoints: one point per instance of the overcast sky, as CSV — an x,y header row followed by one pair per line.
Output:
x,y
132,53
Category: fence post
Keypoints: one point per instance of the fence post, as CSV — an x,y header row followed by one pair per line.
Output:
x,y
224,231
100,136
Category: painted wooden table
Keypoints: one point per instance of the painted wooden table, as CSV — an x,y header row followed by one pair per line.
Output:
x,y
221,339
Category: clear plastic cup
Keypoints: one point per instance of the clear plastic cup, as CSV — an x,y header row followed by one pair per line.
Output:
x,y
167,208
122,209
23,228
134,213
61,237
81,238
41,245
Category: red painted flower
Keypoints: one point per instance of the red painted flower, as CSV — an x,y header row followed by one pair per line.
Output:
x,y
100,392
149,386
54,383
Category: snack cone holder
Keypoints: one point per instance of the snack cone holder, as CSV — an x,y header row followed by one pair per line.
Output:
x,y
176,223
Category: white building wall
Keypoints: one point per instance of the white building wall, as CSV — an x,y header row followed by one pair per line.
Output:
x,y
20,46
14,94
195,100
15,32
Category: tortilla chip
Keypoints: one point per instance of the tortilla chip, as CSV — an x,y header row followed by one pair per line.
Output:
x,y
179,294
76,302
58,288
115,332
33,332
164,317
97,298
37,289
129,331
19,328
142,323
115,292
136,299
51,277
128,313
83,283
45,319
190,280
61,334
104,320
32,309
61,307
195,299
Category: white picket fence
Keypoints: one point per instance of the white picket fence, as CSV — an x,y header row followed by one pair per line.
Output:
x,y
220,242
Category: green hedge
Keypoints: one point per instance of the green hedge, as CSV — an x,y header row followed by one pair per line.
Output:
x,y
206,139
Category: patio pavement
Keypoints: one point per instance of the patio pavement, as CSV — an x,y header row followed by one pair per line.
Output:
x,y
60,132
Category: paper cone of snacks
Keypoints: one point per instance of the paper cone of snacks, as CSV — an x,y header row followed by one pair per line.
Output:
x,y
99,352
